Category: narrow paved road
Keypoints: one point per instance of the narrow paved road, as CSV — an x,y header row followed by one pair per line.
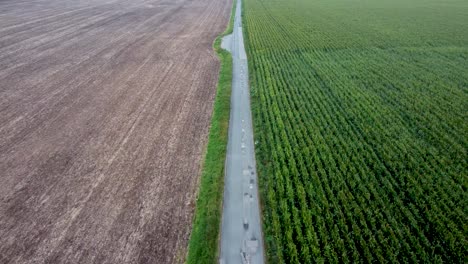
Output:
x,y
241,234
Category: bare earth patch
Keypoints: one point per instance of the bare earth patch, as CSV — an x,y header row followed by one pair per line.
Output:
x,y
104,112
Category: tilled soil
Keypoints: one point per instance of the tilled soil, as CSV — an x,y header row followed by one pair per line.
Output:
x,y
104,113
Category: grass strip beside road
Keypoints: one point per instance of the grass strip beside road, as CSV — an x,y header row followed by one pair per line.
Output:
x,y
203,243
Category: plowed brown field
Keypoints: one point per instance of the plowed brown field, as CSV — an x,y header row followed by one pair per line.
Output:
x,y
104,113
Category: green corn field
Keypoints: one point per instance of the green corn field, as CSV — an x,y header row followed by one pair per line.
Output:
x,y
360,110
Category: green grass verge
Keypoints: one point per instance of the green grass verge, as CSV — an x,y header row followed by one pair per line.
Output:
x,y
203,244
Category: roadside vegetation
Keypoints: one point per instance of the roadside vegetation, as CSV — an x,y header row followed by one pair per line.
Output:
x,y
204,239
360,114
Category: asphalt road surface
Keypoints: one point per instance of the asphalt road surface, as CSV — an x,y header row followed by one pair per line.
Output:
x,y
241,233
105,107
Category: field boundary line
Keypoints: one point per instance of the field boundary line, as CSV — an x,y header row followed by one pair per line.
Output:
x,y
203,246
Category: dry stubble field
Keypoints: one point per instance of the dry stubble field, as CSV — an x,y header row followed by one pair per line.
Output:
x,y
104,111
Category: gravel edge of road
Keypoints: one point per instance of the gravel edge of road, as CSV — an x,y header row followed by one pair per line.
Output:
x,y
203,246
